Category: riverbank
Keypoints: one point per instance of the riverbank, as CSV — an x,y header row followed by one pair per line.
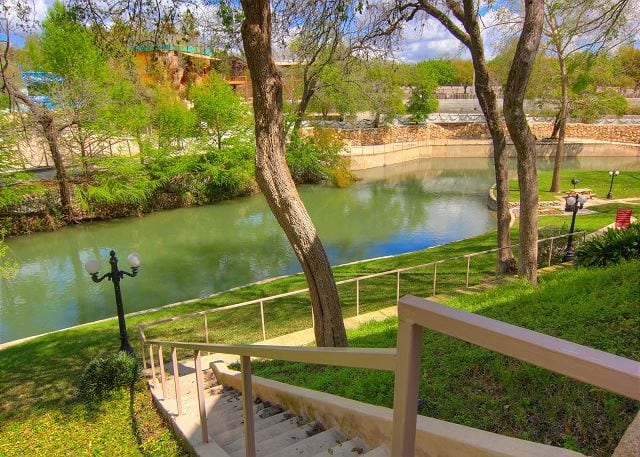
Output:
x,y
364,157
39,410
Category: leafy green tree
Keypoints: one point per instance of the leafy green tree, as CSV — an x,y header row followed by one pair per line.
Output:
x,y
173,120
382,92
463,70
219,107
574,27
628,61
424,80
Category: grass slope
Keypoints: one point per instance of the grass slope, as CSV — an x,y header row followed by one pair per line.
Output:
x,y
476,387
39,411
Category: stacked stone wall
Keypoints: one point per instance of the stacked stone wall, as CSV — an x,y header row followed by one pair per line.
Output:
x,y
624,133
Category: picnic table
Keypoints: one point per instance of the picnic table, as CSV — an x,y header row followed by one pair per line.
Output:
x,y
584,191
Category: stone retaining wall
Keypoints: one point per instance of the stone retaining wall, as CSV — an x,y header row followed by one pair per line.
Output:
x,y
401,134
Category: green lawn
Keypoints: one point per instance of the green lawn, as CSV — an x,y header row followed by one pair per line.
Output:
x,y
627,184
476,387
39,412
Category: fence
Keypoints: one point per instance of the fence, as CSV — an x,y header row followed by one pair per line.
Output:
x,y
588,365
358,295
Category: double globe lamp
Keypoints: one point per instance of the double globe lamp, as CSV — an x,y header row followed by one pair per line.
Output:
x,y
574,203
115,275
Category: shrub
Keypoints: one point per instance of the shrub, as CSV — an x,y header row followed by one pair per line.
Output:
x,y
105,374
316,159
610,248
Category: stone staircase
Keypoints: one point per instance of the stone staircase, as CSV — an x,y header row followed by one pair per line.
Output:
x,y
278,432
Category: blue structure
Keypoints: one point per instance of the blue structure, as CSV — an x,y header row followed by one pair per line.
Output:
x,y
40,78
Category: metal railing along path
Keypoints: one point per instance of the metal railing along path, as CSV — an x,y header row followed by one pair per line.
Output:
x,y
357,280
585,364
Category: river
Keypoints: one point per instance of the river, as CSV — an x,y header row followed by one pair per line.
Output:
x,y
194,252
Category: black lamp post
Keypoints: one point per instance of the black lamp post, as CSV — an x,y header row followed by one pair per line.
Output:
x,y
575,181
613,174
573,204
115,275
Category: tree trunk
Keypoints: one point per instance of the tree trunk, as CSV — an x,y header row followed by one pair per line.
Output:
x,y
275,180
562,126
522,137
307,93
505,263
51,133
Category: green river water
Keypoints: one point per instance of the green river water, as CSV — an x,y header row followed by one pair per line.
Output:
x,y
194,252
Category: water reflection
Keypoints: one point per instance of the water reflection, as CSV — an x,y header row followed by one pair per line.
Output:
x,y
193,252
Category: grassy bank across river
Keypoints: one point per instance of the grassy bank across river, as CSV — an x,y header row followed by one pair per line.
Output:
x,y
626,184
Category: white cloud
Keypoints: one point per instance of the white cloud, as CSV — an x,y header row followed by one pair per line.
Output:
x,y
427,40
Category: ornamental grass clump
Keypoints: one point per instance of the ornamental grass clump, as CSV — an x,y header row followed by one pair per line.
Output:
x,y
610,248
106,374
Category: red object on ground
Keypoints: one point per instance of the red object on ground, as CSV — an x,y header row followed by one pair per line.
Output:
x,y
623,218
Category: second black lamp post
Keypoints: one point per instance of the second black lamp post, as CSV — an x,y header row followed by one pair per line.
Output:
x,y
613,174
574,203
115,275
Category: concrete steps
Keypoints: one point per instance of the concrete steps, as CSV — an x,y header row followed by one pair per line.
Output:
x,y
278,433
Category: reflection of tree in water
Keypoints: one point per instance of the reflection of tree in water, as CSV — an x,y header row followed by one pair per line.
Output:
x,y
194,252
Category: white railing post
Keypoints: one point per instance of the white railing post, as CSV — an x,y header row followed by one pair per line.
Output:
x,y
264,330
153,366
206,329
468,265
357,297
435,275
550,252
163,378
398,288
201,406
176,380
144,358
405,397
247,407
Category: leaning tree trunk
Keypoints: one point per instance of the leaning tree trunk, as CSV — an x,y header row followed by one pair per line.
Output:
x,y
51,133
305,99
276,182
489,105
562,127
522,137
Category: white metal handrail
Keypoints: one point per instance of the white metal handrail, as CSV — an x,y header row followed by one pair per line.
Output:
x,y
583,363
357,280
369,358
591,366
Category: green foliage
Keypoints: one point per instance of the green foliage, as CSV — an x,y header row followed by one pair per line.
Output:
x,y
106,374
589,106
610,248
382,91
67,48
219,107
463,70
8,267
122,181
425,77
315,159
483,389
173,120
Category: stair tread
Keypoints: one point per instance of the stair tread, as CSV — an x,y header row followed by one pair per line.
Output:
x,y
311,445
265,434
351,448
260,424
277,443
380,451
